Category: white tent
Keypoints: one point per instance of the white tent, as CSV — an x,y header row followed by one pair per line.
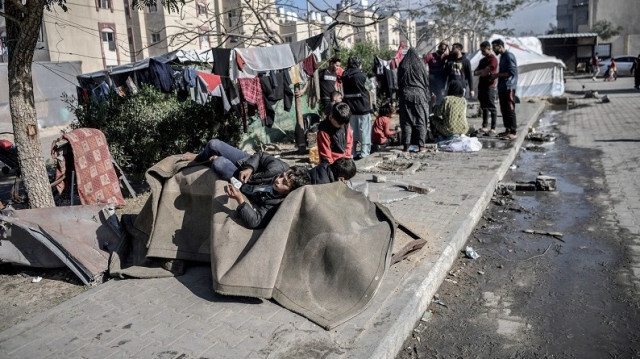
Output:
x,y
539,75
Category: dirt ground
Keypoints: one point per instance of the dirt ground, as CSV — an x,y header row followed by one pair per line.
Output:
x,y
538,296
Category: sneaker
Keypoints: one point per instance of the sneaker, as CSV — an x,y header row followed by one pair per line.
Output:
x,y
503,134
484,129
493,131
509,137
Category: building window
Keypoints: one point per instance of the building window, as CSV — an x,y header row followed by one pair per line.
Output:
x,y
233,38
104,4
288,39
202,9
107,39
1,5
152,8
41,33
155,37
127,12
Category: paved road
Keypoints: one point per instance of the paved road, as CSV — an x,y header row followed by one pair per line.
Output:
x,y
536,296
614,129
182,317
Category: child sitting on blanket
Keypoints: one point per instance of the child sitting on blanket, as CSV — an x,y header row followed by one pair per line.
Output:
x,y
265,180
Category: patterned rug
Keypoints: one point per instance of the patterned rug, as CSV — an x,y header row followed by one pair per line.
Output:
x,y
96,178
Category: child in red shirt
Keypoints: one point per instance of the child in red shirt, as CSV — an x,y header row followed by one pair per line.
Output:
x,y
335,138
381,131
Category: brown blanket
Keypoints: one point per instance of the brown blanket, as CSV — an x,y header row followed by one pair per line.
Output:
x,y
323,254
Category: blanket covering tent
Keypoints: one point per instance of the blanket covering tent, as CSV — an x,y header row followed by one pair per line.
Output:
x,y
323,255
539,75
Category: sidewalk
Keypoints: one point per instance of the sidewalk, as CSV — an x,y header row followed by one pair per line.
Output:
x,y
183,318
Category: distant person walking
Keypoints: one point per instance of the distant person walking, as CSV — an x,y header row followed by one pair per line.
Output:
x,y
636,74
437,77
595,66
507,82
487,91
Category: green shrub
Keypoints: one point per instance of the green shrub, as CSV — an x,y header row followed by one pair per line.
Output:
x,y
144,128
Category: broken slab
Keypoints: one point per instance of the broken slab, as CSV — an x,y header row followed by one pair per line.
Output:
x,y
542,183
79,237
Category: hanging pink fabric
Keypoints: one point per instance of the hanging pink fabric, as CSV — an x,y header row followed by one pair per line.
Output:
x,y
399,54
252,92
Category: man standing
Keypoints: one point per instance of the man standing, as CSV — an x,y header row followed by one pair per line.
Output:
x,y
458,68
595,66
328,80
437,77
487,92
507,81
356,95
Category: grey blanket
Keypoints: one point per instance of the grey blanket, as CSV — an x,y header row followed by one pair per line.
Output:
x,y
323,255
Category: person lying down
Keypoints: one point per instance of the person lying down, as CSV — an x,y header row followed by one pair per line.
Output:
x,y
264,180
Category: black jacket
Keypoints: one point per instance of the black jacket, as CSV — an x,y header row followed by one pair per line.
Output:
x,y
459,69
356,94
321,174
263,204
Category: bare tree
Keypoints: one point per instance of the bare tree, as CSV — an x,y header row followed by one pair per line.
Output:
x,y
447,19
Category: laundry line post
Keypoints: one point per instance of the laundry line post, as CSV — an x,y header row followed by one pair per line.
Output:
x,y
301,139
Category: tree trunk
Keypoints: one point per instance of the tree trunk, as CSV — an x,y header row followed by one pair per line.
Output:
x,y
22,38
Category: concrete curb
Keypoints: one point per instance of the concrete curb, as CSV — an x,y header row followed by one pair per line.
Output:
x,y
427,285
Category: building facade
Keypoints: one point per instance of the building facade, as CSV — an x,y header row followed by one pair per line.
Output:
x,y
580,16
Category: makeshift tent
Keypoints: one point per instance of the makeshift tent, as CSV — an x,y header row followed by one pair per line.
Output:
x,y
538,74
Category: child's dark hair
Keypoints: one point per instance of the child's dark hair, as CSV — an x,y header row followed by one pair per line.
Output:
x,y
334,94
300,176
386,109
341,113
343,167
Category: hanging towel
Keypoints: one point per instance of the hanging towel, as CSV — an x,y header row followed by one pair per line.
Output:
x,y
251,61
212,80
221,61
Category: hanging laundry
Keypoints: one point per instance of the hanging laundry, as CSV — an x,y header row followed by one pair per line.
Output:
x,y
275,87
83,95
309,65
100,93
314,42
399,54
294,75
252,92
261,59
210,84
221,61
300,50
161,75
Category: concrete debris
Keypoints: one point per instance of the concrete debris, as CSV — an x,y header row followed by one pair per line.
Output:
x,y
541,137
379,179
542,183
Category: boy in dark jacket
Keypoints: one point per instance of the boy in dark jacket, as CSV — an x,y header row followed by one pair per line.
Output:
x,y
343,169
266,180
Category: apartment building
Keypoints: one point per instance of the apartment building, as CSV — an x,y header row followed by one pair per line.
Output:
x,y
579,16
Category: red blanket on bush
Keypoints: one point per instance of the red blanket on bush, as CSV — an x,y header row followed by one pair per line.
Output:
x,y
96,178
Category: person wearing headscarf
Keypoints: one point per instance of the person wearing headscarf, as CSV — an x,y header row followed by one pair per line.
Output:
x,y
451,116
413,93
356,95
